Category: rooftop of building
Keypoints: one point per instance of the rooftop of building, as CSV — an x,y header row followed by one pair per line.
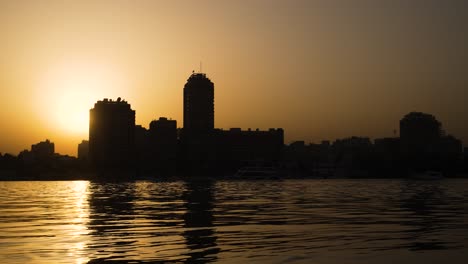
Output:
x,y
109,102
249,130
47,141
419,116
163,119
198,76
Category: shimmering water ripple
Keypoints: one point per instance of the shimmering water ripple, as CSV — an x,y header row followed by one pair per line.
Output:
x,y
293,221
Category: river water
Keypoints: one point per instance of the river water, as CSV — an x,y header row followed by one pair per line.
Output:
x,y
289,221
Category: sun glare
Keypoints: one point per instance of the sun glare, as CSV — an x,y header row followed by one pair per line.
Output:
x,y
69,90
71,112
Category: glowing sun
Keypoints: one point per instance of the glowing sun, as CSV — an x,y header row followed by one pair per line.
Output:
x,y
69,90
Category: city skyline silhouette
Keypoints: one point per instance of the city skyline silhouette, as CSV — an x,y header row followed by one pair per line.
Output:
x,y
186,121
120,149
320,70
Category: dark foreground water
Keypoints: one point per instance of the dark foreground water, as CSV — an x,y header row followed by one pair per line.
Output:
x,y
293,221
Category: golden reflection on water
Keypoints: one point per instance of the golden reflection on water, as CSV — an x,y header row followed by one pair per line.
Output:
x,y
80,219
307,221
44,222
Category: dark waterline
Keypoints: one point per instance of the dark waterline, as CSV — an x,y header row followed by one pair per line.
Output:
x,y
290,221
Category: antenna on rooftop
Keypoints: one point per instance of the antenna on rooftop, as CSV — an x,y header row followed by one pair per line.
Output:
x,y
200,67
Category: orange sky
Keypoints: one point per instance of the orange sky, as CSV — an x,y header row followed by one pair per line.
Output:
x,y
319,69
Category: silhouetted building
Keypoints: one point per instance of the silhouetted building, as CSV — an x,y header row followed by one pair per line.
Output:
x,y
26,157
465,159
163,142
387,146
8,161
420,136
112,134
163,131
451,147
451,154
352,144
353,156
236,147
142,148
325,166
298,158
141,139
420,133
198,105
298,146
43,150
198,150
41,157
387,154
83,150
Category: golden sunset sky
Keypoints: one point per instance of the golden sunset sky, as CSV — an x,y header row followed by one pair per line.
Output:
x,y
320,69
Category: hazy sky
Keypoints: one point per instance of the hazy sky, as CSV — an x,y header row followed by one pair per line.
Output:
x,y
319,69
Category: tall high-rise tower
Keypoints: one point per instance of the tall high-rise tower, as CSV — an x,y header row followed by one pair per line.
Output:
x,y
198,105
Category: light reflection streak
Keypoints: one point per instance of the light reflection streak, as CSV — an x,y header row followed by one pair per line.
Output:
x,y
233,221
79,216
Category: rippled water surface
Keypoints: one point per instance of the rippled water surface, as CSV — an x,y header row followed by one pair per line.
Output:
x,y
293,221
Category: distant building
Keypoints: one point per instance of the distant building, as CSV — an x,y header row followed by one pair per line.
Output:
x,y
163,143
451,154
420,133
40,156
451,147
141,137
163,131
198,105
83,150
111,134
308,159
387,146
352,156
298,157
8,162
297,146
423,144
352,143
236,147
43,150
142,147
465,159
387,156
